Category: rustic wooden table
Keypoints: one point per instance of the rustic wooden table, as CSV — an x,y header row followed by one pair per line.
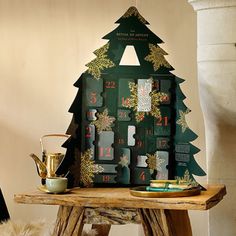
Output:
x,y
103,207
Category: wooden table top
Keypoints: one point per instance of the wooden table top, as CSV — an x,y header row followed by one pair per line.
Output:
x,y
121,198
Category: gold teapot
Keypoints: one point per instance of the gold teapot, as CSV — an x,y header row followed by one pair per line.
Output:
x,y
51,161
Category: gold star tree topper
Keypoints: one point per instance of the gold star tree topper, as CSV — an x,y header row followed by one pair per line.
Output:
x,y
104,121
156,57
101,62
182,120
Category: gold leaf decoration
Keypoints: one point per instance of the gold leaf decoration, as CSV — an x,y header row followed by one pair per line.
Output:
x,y
187,179
104,121
156,99
101,62
182,121
132,11
154,162
156,57
88,168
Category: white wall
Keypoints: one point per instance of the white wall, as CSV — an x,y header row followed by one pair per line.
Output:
x,y
216,22
44,46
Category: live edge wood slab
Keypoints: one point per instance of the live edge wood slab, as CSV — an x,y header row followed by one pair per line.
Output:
x,y
159,216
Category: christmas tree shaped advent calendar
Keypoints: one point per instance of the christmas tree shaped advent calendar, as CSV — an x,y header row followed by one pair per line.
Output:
x,y
128,124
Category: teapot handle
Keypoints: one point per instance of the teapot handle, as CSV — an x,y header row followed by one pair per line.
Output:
x,y
51,135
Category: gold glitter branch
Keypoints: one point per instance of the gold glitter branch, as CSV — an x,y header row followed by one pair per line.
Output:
x,y
88,168
100,63
182,120
187,179
132,11
156,57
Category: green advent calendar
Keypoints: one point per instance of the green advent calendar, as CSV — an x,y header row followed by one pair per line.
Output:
x,y
129,124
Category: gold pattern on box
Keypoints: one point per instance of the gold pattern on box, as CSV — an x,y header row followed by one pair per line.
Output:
x,y
101,62
154,162
124,160
132,11
156,99
104,121
156,57
88,168
182,121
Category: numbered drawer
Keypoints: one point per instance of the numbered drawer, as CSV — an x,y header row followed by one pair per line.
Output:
x,y
162,126
105,179
124,92
142,176
93,89
165,86
104,149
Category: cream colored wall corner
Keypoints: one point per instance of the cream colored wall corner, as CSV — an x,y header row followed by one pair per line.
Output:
x,y
44,46
217,83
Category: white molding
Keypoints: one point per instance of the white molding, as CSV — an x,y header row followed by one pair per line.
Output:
x,y
220,52
209,4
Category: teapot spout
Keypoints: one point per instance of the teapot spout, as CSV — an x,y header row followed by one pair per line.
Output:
x,y
41,167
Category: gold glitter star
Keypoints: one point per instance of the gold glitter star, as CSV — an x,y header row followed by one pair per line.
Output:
x,y
154,162
182,121
124,160
88,168
156,99
103,122
156,57
100,63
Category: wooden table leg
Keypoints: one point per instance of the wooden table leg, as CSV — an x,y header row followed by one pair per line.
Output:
x,y
69,221
178,222
102,229
158,222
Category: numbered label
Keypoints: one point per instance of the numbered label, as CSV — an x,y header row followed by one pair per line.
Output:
x,y
142,176
123,115
105,152
162,125
162,143
90,137
165,86
105,178
110,84
124,92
